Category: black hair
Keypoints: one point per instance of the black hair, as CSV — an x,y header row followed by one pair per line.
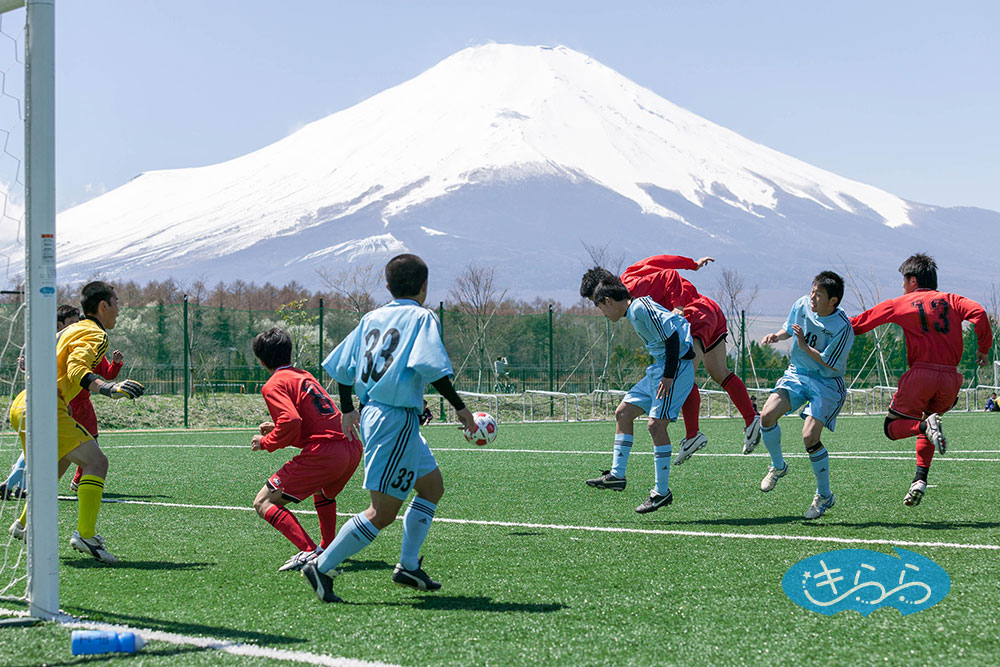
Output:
x,y
93,294
611,288
923,268
66,311
405,275
273,347
591,279
831,283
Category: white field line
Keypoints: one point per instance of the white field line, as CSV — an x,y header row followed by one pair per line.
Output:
x,y
602,529
867,454
233,648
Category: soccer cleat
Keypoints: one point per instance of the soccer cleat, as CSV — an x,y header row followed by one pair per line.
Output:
x,y
819,505
17,530
934,432
751,435
321,583
607,481
14,491
93,546
655,502
298,560
772,477
689,446
915,494
74,485
417,579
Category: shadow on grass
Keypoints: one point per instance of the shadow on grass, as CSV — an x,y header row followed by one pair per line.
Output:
x,y
84,563
824,523
351,565
473,603
524,533
119,497
181,628
167,651
666,523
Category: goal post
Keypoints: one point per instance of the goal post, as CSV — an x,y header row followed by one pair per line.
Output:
x,y
39,276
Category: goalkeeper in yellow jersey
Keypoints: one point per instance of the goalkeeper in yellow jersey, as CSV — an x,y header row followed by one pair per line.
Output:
x,y
79,348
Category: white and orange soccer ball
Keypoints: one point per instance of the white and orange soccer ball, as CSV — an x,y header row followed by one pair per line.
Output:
x,y
486,431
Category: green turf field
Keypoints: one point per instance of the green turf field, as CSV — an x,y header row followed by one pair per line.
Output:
x,y
536,566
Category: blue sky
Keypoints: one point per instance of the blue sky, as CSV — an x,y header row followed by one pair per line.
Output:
x,y
900,95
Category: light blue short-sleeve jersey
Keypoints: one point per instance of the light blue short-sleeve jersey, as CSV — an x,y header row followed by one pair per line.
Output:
x,y
832,336
655,324
391,355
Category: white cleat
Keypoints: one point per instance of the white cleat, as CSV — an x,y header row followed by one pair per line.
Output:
x,y
92,547
935,434
689,446
772,477
298,560
751,435
17,530
819,505
915,494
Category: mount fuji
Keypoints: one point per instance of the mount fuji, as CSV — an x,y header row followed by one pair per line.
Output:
x,y
513,157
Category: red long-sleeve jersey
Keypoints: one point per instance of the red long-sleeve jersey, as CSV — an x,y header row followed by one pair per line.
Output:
x,y
304,416
932,324
81,408
657,278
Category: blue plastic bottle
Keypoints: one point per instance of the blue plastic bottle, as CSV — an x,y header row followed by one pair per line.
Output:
x,y
86,642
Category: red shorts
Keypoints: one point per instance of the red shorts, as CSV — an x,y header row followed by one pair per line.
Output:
x,y
708,323
83,412
926,388
325,470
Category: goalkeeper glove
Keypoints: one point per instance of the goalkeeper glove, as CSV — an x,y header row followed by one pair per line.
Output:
x,y
124,389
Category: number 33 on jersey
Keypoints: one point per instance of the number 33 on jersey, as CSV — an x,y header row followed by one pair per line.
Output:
x,y
392,353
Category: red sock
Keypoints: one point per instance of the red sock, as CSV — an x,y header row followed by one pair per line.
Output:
x,y
898,429
925,450
326,509
78,475
289,526
692,412
738,395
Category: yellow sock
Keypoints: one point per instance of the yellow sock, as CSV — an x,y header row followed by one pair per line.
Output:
x,y
89,500
23,519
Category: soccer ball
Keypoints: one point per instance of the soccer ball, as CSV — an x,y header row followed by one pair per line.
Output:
x,y
486,431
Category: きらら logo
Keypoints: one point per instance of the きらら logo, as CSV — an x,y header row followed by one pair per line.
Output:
x,y
865,580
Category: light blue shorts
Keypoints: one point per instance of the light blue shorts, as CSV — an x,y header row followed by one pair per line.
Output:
x,y
396,455
825,396
643,394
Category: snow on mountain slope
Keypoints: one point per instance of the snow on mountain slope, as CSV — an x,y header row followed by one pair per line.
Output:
x,y
517,153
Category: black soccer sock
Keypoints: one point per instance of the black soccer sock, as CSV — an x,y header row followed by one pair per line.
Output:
x,y
921,475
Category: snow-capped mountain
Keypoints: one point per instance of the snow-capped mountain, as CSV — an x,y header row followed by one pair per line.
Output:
x,y
510,156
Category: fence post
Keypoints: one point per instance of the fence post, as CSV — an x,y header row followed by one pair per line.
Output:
x,y
441,320
187,370
743,346
320,367
552,365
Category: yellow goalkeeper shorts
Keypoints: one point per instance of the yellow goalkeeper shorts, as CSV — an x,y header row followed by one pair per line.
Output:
x,y
70,434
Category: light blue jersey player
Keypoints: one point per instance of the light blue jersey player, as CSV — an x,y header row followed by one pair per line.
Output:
x,y
388,359
661,392
824,337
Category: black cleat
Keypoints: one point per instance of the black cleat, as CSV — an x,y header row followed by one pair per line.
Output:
x,y
607,481
417,579
321,583
655,502
14,492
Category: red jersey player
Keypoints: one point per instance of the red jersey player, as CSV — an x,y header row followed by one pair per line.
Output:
x,y
657,277
303,416
932,327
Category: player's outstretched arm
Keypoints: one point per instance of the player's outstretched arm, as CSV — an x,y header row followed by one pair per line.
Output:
x,y
129,389
661,262
776,337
